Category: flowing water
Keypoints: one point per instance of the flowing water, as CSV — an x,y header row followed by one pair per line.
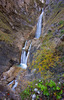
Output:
x,y
24,55
39,25
15,85
23,64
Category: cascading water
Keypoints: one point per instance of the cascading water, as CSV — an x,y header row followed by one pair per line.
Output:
x,y
24,56
23,64
39,25
15,85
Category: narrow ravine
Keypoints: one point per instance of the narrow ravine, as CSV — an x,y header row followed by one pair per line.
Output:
x,y
31,49
25,53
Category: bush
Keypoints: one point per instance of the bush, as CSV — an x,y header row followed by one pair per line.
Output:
x,y
48,90
62,31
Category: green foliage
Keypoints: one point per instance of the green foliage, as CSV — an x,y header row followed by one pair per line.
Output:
x,y
61,22
52,83
62,59
62,75
58,97
37,97
25,94
58,88
45,57
62,31
46,93
48,89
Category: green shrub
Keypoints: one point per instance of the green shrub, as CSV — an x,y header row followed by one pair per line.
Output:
x,y
62,31
61,22
48,89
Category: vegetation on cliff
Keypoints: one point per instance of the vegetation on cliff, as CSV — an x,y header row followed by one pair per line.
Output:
x,y
49,58
44,90
49,55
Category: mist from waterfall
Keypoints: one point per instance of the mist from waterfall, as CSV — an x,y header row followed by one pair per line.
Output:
x,y
39,25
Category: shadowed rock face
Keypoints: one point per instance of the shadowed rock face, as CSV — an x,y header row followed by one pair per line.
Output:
x,y
9,55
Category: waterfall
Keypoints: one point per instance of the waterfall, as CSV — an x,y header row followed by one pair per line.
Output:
x,y
23,64
28,52
15,85
10,82
39,25
24,56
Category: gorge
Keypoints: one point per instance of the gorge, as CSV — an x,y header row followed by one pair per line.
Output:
x,y
24,55
31,49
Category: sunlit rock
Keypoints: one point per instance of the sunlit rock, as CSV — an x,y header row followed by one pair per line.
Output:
x,y
8,73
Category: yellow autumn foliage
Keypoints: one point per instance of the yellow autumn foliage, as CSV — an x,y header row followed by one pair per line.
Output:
x,y
45,57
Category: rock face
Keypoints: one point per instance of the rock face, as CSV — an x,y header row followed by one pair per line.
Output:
x,y
20,13
17,19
